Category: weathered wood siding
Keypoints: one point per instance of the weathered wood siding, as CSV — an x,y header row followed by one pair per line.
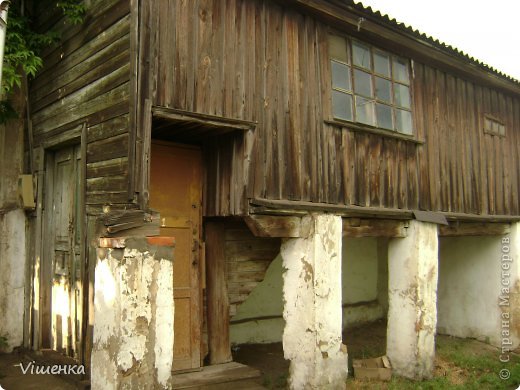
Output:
x,y
247,259
265,62
86,78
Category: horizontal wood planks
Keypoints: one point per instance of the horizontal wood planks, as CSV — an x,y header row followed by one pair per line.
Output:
x,y
247,260
86,78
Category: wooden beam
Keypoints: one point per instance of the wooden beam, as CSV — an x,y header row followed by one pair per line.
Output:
x,y
204,119
450,216
275,226
296,207
355,227
217,295
300,208
457,229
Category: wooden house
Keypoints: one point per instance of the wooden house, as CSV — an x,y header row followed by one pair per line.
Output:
x,y
248,127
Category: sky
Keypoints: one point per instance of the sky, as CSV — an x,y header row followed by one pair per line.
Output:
x,y
486,30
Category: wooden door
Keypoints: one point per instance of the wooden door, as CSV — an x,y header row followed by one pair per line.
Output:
x,y
62,268
176,192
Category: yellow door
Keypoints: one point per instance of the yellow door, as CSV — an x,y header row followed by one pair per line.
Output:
x,y
176,193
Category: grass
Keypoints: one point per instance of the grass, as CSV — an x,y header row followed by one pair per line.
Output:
x,y
460,364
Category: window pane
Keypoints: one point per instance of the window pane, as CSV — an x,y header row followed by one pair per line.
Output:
x,y
362,83
403,121
381,63
502,130
340,76
384,116
365,111
342,105
400,68
338,48
402,95
361,55
384,89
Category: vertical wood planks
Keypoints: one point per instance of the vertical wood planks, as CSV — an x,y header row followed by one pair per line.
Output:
x,y
266,62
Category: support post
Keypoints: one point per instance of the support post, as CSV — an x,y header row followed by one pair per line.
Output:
x,y
12,277
510,263
412,294
133,323
217,296
312,338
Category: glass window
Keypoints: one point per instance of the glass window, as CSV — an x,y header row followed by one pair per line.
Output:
x,y
381,63
400,68
361,55
338,48
340,76
384,116
371,86
342,105
403,121
362,83
365,111
402,95
384,89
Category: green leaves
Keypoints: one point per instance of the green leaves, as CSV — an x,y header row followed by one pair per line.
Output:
x,y
74,10
23,45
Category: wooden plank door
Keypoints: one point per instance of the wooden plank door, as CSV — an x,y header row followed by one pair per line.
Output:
x,y
62,266
176,192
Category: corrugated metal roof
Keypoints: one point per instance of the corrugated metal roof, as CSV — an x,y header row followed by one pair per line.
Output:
x,y
429,39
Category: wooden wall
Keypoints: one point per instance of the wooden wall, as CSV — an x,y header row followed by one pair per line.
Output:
x,y
86,78
247,259
260,61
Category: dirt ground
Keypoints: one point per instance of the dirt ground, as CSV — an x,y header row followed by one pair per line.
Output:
x,y
459,363
362,342
12,377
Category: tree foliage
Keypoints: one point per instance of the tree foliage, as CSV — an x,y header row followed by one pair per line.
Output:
x,y
23,46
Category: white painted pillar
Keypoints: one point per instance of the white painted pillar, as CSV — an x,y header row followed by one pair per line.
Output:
x,y
510,289
312,305
412,294
133,321
12,277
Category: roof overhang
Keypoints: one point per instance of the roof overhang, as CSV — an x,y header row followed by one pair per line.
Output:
x,y
345,15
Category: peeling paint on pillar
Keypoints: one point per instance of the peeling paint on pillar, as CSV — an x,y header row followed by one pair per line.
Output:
x,y
12,277
412,293
312,306
133,325
514,297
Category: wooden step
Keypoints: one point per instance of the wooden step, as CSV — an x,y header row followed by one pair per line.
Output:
x,y
219,377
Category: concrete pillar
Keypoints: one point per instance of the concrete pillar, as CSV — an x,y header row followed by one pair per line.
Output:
x,y
509,300
312,305
133,322
412,294
12,277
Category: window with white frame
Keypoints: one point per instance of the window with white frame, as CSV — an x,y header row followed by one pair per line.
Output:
x,y
369,85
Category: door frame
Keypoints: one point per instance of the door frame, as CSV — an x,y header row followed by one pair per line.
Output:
x,y
41,321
